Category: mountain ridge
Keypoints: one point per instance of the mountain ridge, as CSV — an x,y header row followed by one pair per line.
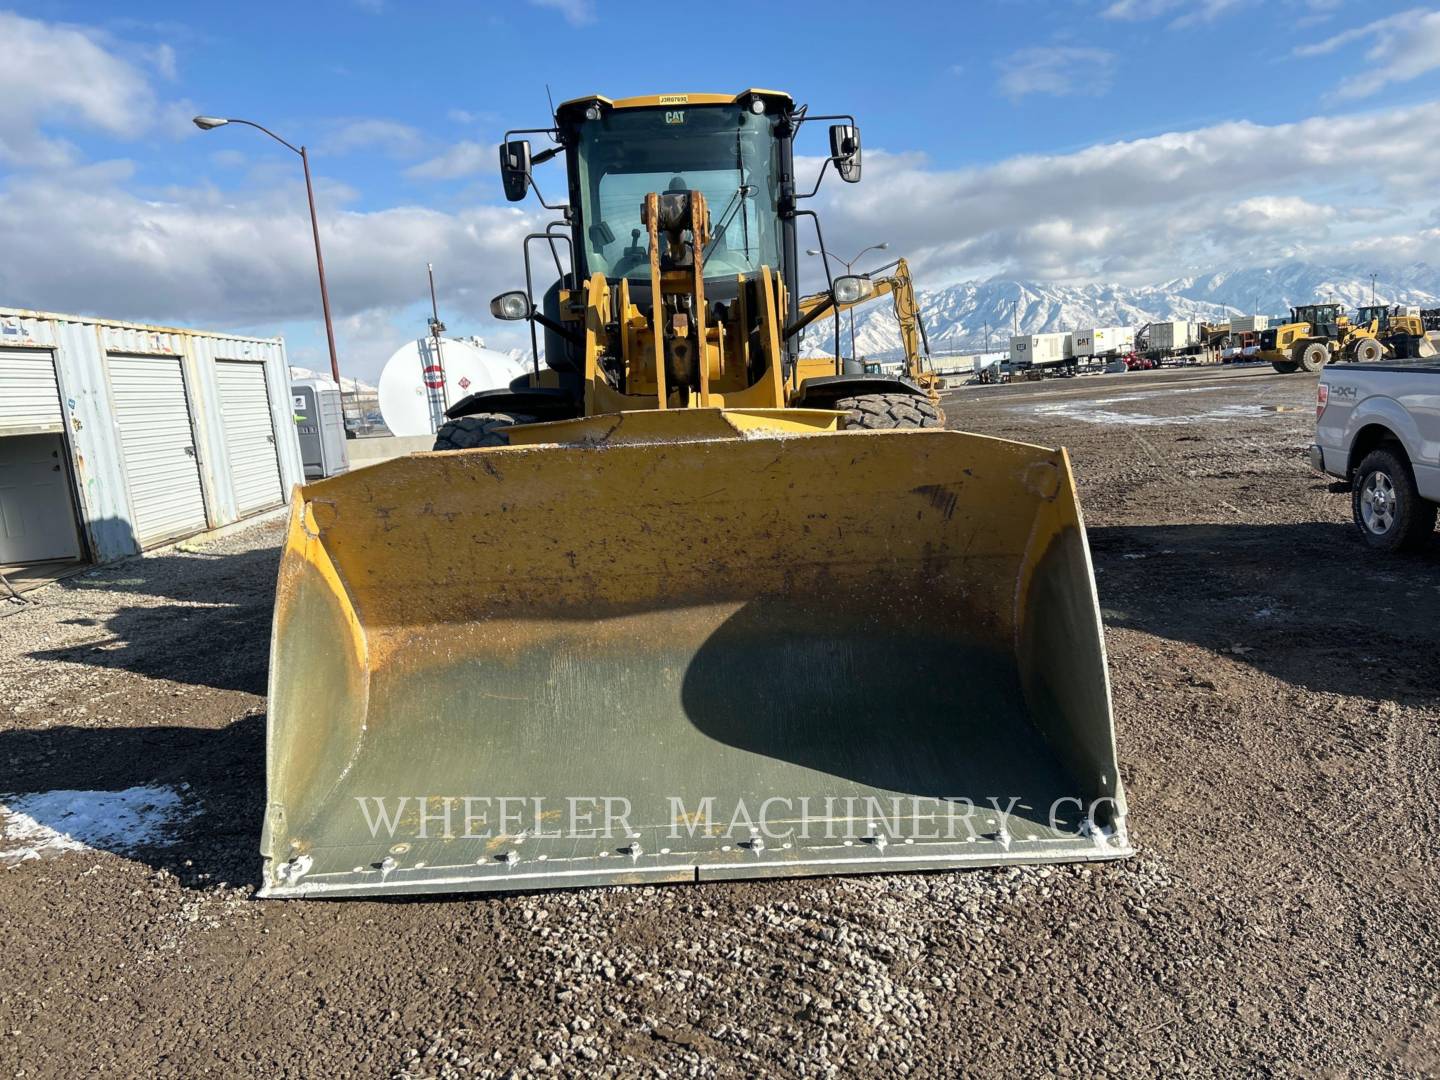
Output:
x,y
958,316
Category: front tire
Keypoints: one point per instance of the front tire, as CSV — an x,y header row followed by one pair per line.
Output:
x,y
1312,357
1386,505
879,412
1285,367
1367,351
480,430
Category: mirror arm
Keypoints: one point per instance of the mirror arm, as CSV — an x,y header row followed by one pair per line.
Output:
x,y
816,312
562,207
838,116
544,320
818,179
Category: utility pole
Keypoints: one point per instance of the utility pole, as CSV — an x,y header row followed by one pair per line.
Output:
x,y
1372,289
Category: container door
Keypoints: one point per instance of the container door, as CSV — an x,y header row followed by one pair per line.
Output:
x,y
249,435
158,445
29,394
37,515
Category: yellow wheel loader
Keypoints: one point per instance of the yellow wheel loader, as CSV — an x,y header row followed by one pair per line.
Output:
x,y
1398,332
680,608
1315,335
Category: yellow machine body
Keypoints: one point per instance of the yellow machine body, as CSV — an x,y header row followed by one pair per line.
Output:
x,y
699,627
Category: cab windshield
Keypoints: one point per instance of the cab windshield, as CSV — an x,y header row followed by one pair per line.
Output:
x,y
724,151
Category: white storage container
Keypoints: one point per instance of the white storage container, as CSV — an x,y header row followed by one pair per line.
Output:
x,y
1027,350
1249,324
1170,336
131,436
1102,341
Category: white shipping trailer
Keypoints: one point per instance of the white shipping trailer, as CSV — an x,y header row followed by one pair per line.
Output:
x,y
1171,336
1037,350
1102,341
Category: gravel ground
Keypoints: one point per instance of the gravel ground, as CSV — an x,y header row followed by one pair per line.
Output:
x,y
1275,691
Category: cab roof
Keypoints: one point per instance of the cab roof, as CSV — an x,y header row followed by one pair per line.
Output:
x,y
650,101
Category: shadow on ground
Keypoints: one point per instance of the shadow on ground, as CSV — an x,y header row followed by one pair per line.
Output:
x,y
1307,603
221,769
223,644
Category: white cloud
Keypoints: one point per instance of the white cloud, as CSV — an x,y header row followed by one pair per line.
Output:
x,y
1278,213
465,158
1148,208
53,72
1403,47
390,137
202,259
1187,12
576,12
1058,70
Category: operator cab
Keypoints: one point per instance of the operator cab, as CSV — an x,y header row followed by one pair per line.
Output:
x,y
729,153
1324,319
1379,314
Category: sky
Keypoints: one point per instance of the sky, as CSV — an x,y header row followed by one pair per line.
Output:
x,y
1079,141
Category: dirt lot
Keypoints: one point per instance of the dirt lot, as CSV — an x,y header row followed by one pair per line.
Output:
x,y
1275,689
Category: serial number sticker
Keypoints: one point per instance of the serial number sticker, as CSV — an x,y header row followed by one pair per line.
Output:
x,y
674,99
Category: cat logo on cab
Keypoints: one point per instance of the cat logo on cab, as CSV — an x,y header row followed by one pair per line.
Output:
x,y
675,116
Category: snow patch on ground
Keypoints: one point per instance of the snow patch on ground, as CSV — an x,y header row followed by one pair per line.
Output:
x,y
1093,412
35,824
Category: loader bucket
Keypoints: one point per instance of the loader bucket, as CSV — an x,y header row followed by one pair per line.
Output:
x,y
709,651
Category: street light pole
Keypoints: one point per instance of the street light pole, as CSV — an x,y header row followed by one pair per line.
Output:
x,y
320,265
848,266
209,123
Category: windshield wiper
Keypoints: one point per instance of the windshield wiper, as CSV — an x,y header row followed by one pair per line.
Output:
x,y
743,192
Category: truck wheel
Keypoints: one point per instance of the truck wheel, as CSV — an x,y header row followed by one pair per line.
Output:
x,y
881,411
1312,357
482,429
1388,509
1285,367
1366,350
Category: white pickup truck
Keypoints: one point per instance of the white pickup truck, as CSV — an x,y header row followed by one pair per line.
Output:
x,y
1377,427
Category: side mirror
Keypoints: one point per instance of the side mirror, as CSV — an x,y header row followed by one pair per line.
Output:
x,y
845,151
515,168
512,306
852,289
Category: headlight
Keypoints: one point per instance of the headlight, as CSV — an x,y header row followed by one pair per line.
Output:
x,y
851,289
511,306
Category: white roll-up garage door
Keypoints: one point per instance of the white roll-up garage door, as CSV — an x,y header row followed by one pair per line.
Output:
x,y
29,394
249,434
159,447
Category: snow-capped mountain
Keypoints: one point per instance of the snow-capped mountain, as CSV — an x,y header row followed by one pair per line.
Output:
x,y
957,317
347,384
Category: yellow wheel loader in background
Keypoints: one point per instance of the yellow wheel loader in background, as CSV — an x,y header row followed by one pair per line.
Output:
x,y
1315,335
673,613
1399,331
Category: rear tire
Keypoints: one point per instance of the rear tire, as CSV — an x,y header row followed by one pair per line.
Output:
x,y
1285,367
1386,505
879,412
1312,357
1366,351
480,430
